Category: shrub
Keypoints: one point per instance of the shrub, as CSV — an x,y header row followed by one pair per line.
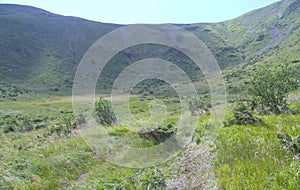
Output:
x,y
243,116
67,123
160,134
80,119
104,112
269,87
200,132
20,122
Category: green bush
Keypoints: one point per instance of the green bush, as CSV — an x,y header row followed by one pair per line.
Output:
x,y
200,132
243,116
67,123
159,134
104,112
269,87
20,122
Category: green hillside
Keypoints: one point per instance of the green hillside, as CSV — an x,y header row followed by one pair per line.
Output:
x,y
41,50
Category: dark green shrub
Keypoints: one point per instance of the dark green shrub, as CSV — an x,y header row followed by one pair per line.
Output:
x,y
200,133
80,119
159,134
20,123
155,179
243,116
66,122
104,112
269,87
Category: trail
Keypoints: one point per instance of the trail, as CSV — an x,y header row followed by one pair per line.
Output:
x,y
194,169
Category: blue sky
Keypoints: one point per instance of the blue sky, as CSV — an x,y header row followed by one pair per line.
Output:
x,y
148,11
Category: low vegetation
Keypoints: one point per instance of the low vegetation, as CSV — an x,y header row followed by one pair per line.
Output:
x,y
54,156
243,115
253,157
159,134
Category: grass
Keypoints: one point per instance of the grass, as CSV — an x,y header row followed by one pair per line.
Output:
x,y
32,161
252,157
248,156
41,159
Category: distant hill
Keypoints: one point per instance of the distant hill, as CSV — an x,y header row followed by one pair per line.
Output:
x,y
40,51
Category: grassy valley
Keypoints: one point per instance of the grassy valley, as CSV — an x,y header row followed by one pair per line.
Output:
x,y
41,141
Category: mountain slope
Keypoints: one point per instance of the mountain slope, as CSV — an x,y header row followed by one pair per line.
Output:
x,y
41,50
258,32
264,29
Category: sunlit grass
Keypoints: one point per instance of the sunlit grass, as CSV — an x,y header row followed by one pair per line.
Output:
x,y
247,157
252,157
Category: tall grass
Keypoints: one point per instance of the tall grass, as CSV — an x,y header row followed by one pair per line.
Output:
x,y
252,157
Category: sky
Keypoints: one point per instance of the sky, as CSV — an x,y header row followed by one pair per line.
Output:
x,y
148,11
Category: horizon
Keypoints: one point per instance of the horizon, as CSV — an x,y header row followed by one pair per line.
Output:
x,y
149,12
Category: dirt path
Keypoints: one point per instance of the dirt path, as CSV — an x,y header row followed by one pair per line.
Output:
x,y
194,169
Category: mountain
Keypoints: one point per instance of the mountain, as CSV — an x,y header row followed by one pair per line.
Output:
x,y
255,35
40,51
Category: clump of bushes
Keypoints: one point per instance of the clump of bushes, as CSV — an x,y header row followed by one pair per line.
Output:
x,y
104,112
243,116
60,123
159,134
147,179
10,92
66,123
20,123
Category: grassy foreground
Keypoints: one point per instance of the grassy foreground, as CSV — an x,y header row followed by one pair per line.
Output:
x,y
247,157
252,157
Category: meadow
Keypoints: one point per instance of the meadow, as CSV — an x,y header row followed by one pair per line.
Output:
x,y
45,154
